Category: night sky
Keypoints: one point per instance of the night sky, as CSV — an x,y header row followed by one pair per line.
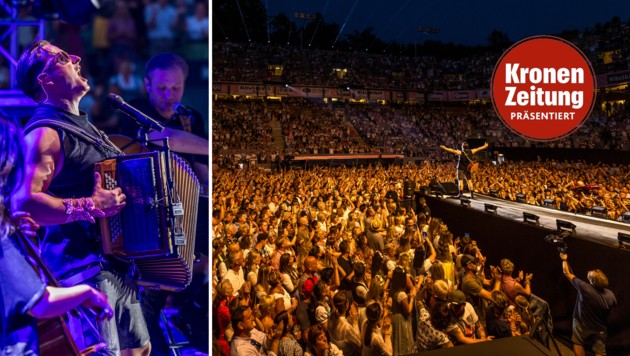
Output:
x,y
459,21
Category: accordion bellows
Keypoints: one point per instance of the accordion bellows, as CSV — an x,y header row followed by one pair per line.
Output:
x,y
156,229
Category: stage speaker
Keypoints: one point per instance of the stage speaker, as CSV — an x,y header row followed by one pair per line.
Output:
x,y
448,188
513,346
408,189
408,204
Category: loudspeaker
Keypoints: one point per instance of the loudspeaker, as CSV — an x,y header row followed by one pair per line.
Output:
x,y
513,346
408,204
448,188
409,188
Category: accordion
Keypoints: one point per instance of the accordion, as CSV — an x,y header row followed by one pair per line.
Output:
x,y
155,231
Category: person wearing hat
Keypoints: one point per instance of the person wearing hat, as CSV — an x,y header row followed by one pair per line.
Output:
x,y
473,284
376,240
592,307
465,326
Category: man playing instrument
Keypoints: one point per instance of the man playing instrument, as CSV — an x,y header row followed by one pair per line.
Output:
x,y
23,294
164,82
61,191
465,165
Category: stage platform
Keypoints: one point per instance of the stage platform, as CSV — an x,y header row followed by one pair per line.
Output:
x,y
591,228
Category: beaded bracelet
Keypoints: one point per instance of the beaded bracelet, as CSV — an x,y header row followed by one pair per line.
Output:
x,y
82,209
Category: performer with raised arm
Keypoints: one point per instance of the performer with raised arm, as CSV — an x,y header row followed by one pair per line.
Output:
x,y
465,165
61,191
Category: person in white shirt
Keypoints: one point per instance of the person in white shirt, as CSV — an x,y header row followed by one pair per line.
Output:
x,y
248,341
235,274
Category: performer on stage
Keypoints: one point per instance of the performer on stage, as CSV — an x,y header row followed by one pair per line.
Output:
x,y
465,165
165,83
23,294
61,191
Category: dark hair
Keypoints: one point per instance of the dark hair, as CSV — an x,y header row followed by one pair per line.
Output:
x,y
377,264
11,168
314,332
373,312
285,260
340,301
245,242
166,61
319,289
399,280
30,65
359,270
344,246
236,315
327,274
263,236
283,316
418,257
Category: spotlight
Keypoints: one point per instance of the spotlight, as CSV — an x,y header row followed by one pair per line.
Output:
x,y
549,203
625,217
489,208
624,241
529,218
494,192
564,225
599,211
521,198
286,85
465,202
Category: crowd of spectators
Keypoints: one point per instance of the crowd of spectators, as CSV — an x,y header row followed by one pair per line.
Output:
x,y
604,45
312,127
328,261
233,62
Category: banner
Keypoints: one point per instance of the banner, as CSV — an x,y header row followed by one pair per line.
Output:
x,y
438,96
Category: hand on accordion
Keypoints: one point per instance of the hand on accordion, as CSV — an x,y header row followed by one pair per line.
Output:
x,y
110,202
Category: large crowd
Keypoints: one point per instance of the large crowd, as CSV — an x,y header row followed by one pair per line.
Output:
x,y
603,45
329,261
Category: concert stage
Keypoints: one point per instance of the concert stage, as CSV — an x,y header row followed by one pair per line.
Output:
x,y
592,228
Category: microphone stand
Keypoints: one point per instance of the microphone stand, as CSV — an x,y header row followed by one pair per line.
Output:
x,y
142,137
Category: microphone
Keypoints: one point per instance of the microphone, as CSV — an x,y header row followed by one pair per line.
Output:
x,y
183,110
141,118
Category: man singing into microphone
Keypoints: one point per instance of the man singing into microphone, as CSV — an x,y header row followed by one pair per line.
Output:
x,y
164,82
61,191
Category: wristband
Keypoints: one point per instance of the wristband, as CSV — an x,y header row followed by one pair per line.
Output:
x,y
82,209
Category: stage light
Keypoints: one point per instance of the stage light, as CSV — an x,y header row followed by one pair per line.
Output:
x,y
530,218
549,203
465,202
521,198
564,225
494,192
599,211
624,240
491,209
